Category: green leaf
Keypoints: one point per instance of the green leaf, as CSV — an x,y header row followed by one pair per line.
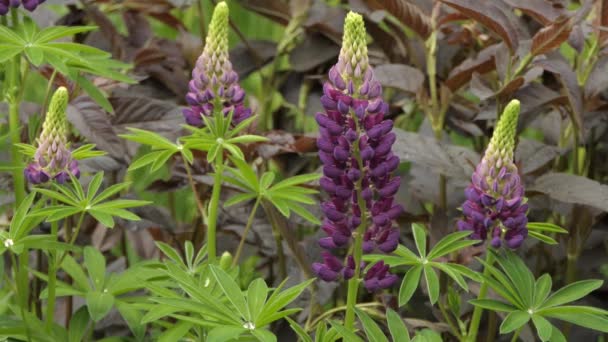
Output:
x,y
232,291
513,321
584,319
264,335
99,304
96,266
427,335
543,238
542,287
450,243
94,186
557,336
9,36
420,238
493,305
55,32
409,284
225,333
406,254
245,139
303,335
102,217
545,227
396,326
521,277
133,318
296,180
9,51
372,330
572,292
305,214
70,266
256,297
236,199
95,93
87,151
176,332
279,300
78,325
432,283
543,327
346,334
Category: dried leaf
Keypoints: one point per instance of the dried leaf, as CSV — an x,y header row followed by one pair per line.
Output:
x,y
489,15
551,37
570,188
400,76
408,13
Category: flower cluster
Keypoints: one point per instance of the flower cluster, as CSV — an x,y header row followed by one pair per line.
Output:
x,y
495,203
53,159
214,83
30,5
355,148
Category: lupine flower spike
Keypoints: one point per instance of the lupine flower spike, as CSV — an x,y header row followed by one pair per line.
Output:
x,y
214,83
30,5
355,148
495,204
53,159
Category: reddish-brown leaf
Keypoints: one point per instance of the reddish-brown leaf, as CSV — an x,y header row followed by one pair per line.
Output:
x,y
540,10
511,87
399,76
408,13
484,62
551,37
602,19
275,10
489,15
573,91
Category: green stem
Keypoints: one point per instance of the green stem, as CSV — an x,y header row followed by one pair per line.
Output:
x,y
449,320
353,283
516,333
523,64
237,255
52,283
15,130
21,287
213,206
483,291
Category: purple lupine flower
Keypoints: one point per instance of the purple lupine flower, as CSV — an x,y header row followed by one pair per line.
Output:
x,y
378,277
53,160
355,148
495,206
214,83
29,5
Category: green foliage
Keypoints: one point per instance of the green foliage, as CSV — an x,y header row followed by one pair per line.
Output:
x,y
529,299
71,59
74,201
287,195
428,263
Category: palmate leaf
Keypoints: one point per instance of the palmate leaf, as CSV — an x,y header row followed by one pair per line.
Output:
x,y
372,330
533,302
396,326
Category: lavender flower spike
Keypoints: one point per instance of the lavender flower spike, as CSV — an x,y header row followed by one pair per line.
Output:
x,y
214,85
495,204
53,159
355,148
29,5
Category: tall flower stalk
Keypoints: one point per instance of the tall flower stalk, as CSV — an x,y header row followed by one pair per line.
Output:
x,y
214,90
355,148
495,208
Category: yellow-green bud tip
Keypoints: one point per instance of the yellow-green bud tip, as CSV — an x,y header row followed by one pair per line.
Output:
x,y
220,11
506,128
59,102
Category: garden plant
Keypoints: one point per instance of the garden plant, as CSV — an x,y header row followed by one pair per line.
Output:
x,y
304,170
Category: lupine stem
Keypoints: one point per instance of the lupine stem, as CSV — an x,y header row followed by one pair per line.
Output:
x,y
237,255
213,206
353,283
516,333
483,291
52,283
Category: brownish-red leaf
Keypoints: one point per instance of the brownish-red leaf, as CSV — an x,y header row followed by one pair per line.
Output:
x,y
601,21
408,13
484,62
489,15
272,9
551,37
399,76
573,91
540,10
